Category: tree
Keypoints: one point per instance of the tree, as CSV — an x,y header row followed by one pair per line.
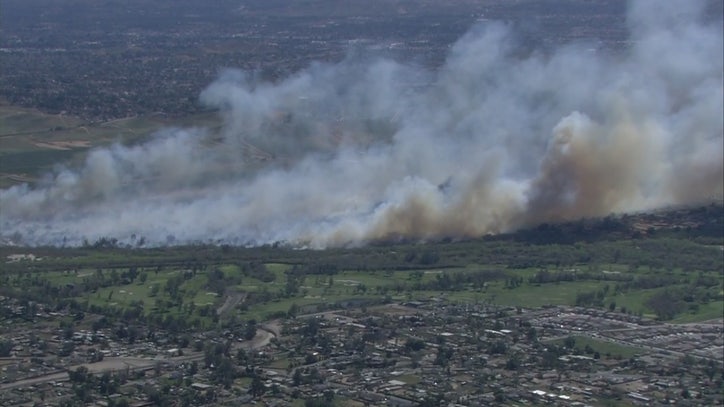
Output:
x,y
257,387
67,348
6,345
443,356
292,285
193,368
241,357
429,257
320,402
250,330
498,348
293,310
710,369
310,330
666,304
432,401
297,377
414,345
79,375
224,373
106,384
329,396
513,363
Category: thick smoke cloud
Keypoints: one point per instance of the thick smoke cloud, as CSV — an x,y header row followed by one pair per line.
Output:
x,y
366,149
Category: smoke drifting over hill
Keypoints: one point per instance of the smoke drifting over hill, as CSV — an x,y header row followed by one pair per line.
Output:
x,y
366,149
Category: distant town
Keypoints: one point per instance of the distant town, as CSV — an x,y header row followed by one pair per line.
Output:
x,y
125,60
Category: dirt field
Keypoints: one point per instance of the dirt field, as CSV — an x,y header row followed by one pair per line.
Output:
x,y
64,145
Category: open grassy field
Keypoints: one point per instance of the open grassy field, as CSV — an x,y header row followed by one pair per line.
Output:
x,y
604,348
709,311
269,298
532,296
32,142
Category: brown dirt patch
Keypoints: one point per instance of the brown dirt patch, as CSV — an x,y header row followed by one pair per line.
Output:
x,y
63,145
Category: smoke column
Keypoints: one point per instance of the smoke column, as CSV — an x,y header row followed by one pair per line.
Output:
x,y
343,154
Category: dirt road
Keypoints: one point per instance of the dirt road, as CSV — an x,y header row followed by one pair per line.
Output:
x,y
233,298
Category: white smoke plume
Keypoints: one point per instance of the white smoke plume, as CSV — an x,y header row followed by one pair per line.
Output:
x,y
369,148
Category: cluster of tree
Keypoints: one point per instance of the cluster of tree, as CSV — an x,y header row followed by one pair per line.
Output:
x,y
305,376
85,384
6,346
591,298
610,227
185,395
414,345
427,257
101,243
327,269
667,303
457,281
327,400
257,270
217,358
497,348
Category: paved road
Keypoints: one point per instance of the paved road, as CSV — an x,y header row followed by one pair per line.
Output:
x,y
110,364
54,377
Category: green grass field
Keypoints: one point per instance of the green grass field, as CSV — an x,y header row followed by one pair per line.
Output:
x,y
325,289
532,296
604,348
712,310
